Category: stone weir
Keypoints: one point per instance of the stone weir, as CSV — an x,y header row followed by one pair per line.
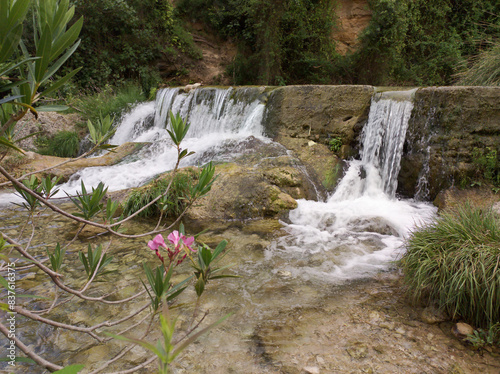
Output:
x,y
448,126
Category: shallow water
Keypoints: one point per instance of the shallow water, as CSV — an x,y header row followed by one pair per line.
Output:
x,y
283,321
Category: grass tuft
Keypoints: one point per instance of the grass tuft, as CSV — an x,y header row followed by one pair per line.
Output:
x,y
177,198
455,262
63,144
485,70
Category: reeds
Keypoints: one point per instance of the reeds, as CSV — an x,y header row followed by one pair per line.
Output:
x,y
455,262
485,70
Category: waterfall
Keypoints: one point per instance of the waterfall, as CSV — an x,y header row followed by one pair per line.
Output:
x,y
382,146
220,119
360,229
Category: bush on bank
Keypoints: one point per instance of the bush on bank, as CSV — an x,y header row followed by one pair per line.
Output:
x,y
455,261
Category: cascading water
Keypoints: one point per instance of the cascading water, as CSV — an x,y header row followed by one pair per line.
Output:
x,y
220,120
360,229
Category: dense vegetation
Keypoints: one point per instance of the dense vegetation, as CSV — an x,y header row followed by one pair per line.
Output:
x,y
128,40
454,262
418,42
408,42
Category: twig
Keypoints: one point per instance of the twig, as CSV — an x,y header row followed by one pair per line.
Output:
x,y
28,352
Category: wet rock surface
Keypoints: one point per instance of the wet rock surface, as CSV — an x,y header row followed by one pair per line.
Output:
x,y
35,161
446,125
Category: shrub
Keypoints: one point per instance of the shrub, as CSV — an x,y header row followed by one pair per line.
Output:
x,y
455,262
487,164
177,198
335,144
108,101
63,144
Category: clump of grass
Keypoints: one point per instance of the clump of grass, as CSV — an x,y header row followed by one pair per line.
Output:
x,y
108,101
455,262
485,70
177,198
63,144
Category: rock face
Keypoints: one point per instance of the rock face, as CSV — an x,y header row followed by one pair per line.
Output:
x,y
261,184
40,162
446,125
318,113
352,18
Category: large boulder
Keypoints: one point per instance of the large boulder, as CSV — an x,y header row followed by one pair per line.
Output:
x,y
264,181
261,183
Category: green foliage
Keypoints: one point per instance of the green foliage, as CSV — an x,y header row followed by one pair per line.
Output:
x,y
204,269
124,40
422,42
161,286
168,349
89,204
26,78
30,202
279,42
173,204
485,337
179,128
108,101
335,144
487,165
71,369
95,261
62,144
454,262
101,131
56,258
485,70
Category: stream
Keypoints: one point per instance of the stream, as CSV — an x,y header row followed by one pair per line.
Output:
x,y
316,293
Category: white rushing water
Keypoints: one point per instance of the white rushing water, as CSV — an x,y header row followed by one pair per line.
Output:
x,y
357,232
360,229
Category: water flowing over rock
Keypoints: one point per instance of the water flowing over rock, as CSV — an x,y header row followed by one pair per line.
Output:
x,y
446,125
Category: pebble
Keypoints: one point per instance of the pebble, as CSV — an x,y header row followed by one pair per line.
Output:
x,y
311,369
401,331
461,330
357,350
431,315
387,325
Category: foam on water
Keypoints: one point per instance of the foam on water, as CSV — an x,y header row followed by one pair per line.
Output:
x,y
361,228
355,233
218,121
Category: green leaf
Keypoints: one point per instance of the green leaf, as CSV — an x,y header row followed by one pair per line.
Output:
x,y
67,39
72,369
9,98
219,248
43,51
59,83
19,359
200,285
52,108
55,67
5,142
142,343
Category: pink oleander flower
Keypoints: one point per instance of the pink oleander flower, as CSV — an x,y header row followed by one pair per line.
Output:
x,y
188,242
158,241
174,237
